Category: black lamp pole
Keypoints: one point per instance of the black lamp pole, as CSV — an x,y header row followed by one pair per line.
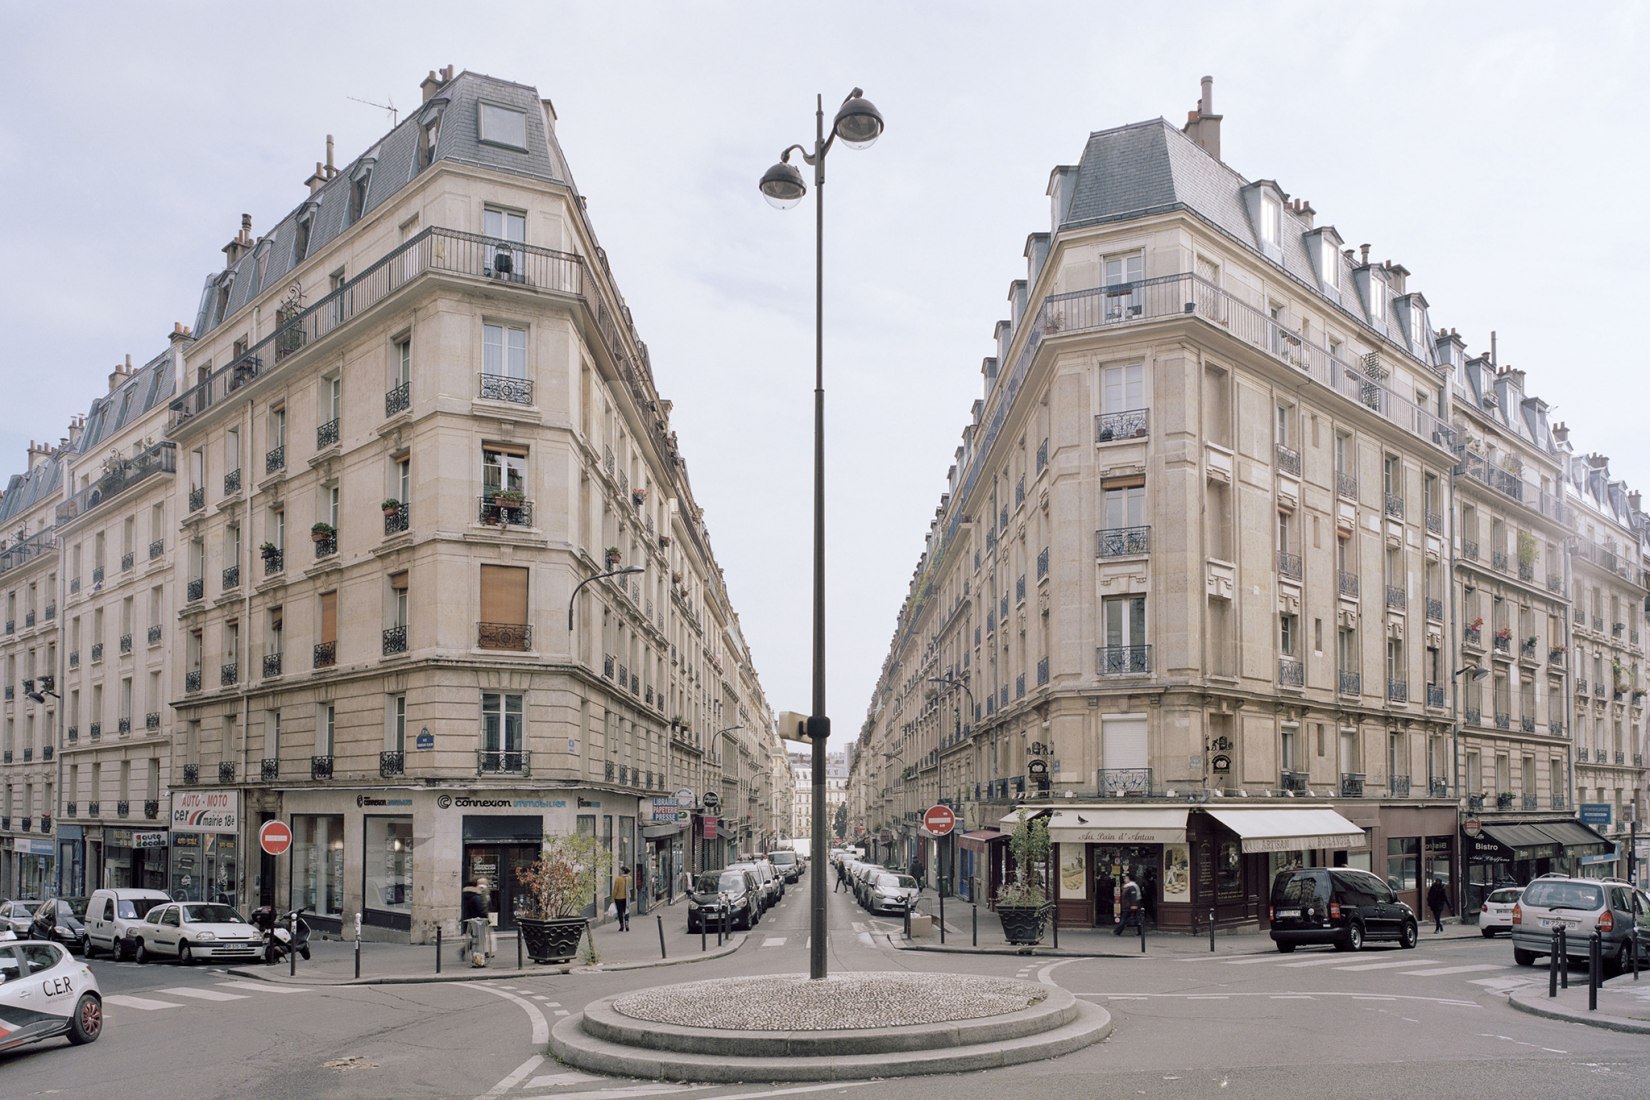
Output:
x,y
858,124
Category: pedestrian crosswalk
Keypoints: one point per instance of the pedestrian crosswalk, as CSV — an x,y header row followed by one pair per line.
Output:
x,y
1496,976
180,995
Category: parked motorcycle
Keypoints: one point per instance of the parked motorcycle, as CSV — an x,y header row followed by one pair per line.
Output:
x,y
277,932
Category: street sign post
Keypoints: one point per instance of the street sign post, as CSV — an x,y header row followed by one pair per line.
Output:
x,y
713,801
939,820
274,837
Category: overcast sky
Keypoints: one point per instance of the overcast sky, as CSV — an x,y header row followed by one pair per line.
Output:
x,y
1495,150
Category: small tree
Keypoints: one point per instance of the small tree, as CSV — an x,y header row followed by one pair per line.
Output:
x,y
1028,845
563,879
839,826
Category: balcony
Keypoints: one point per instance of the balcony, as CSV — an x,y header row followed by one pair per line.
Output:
x,y
395,640
1503,641
500,387
1435,523
1527,652
326,544
320,767
326,654
1120,782
501,762
1394,506
159,458
1499,560
1289,460
275,459
95,731
1555,656
155,634
516,637
151,721
397,519
1293,781
1398,785
1042,563
226,772
1475,802
392,762
1556,728
274,561
229,674
1504,800
1503,721
499,510
1119,542
191,774
1350,683
1435,610
269,769
1555,583
1346,486
197,499
1469,549
72,734
1396,597
232,483
272,664
1582,687
1042,671
51,613
1291,673
1042,456
123,726
1435,695
1397,691
1527,724
1472,716
97,576
326,435
398,400
27,549
123,808
1123,660
1352,784
1132,424
195,590
1347,583
97,652
1437,787
231,578
1289,565
1526,571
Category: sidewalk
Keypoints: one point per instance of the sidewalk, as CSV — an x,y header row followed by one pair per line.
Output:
x,y
971,930
1623,1004
332,962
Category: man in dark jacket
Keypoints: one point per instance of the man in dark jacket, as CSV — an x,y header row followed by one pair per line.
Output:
x,y
1437,901
473,910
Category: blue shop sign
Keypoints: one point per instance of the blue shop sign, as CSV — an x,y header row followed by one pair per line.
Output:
x,y
1595,813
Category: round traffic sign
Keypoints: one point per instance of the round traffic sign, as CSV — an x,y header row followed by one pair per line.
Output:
x,y
939,820
684,797
712,801
274,837
1472,826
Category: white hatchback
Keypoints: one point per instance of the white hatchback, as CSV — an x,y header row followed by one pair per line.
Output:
x,y
46,992
193,930
1495,914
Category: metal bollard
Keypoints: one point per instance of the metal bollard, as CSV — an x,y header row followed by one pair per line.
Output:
x,y
974,922
660,918
1211,930
704,930
519,938
907,922
1595,963
1054,922
1563,957
942,912
1140,922
1635,952
1552,968
438,949
292,945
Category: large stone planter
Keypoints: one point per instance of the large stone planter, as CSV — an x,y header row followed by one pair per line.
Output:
x,y
1023,924
551,941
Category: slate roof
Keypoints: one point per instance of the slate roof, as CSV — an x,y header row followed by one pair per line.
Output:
x,y
394,164
25,491
149,386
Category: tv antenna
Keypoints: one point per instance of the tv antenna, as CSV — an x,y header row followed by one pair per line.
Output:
x,y
395,115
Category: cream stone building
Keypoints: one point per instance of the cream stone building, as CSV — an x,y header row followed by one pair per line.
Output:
x,y
1193,589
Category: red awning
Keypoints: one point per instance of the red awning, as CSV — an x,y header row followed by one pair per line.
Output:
x,y
977,841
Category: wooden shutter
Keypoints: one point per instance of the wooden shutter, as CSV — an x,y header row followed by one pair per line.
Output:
x,y
329,617
504,594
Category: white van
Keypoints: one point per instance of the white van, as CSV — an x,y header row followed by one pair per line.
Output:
x,y
112,912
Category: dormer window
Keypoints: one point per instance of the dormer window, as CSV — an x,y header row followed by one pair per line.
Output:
x,y
1331,261
358,197
506,126
1271,221
1377,300
300,240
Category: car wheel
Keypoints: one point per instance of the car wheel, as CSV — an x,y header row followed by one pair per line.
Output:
x,y
303,952
89,950
140,952
1410,935
185,956
1523,957
87,1022
1489,933
1354,937
1285,948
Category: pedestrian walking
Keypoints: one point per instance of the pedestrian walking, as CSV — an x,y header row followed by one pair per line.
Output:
x,y
1131,906
1437,901
621,897
841,877
478,933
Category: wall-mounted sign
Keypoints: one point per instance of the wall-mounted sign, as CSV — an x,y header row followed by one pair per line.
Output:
x,y
1222,762
424,740
206,811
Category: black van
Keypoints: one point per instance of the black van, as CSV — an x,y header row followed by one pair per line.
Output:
x,y
1338,905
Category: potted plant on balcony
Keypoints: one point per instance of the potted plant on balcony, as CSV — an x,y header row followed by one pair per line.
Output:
x,y
1022,902
390,506
554,890
1504,800
1503,636
322,531
612,556
507,504
638,496
268,551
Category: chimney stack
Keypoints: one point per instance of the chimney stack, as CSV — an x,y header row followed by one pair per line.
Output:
x,y
241,244
1561,432
331,171
315,181
38,453
1635,501
1202,124
1363,255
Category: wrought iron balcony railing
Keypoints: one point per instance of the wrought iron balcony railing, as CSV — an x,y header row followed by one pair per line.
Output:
x,y
395,640
327,435
230,673
1123,660
159,458
226,772
1399,786
392,762
500,387
397,519
274,562
151,721
1435,610
1291,673
1289,565
1346,486
1350,683
272,664
1437,787
1289,459
1352,784
155,634
1132,424
195,590
502,761
1435,695
191,774
1397,691
398,400
275,459
1396,597
326,654
320,767
1346,583
501,511
231,578
512,636
269,768
232,482
1117,542
326,545
1293,781
1112,782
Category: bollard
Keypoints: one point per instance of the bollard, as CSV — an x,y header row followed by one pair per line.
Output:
x,y
519,937
907,922
1211,930
704,929
974,922
292,944
1140,922
942,912
1563,957
358,945
1552,968
1054,922
438,949
1635,943
1595,963
660,918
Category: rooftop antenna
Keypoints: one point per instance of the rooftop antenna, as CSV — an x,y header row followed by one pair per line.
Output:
x,y
395,115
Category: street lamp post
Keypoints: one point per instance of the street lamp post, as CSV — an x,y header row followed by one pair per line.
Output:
x,y
947,681
858,124
599,576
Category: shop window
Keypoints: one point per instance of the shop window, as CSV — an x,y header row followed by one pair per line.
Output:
x,y
388,864
318,848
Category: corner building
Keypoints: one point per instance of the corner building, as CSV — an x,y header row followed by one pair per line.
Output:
x,y
416,421
1189,592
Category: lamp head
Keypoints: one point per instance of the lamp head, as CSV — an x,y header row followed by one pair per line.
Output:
x,y
36,696
782,186
858,123
1480,672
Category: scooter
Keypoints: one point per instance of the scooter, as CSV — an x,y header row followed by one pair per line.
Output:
x,y
277,937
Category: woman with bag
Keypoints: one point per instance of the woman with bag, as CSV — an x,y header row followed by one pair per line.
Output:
x,y
621,898
477,929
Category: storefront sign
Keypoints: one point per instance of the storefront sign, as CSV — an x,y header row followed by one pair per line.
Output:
x,y
1595,813
448,802
206,811
710,828
33,847
664,809
148,840
1296,843
1119,835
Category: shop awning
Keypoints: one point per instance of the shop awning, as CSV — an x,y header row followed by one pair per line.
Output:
x,y
654,832
1576,838
978,840
1526,840
1119,825
1010,820
1264,829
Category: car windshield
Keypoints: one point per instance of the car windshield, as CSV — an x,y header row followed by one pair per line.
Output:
x,y
892,882
211,914
783,859
1505,897
135,908
77,906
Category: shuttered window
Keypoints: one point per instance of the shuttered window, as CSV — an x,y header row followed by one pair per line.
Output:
x,y
503,603
329,617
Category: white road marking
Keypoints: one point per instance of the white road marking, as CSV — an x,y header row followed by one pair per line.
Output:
x,y
121,1000
1327,960
514,1077
1452,1001
550,1079
774,941
265,987
1498,984
865,938
657,1088
1248,960
541,1026
1390,965
1291,997
201,994
1441,970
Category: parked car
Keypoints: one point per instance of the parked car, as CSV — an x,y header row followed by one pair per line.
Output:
x,y
1495,914
112,913
1338,905
60,920
46,992
729,895
1582,906
766,883
891,893
786,863
17,916
864,875
191,930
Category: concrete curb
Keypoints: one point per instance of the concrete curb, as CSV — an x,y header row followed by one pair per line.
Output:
x,y
1534,1001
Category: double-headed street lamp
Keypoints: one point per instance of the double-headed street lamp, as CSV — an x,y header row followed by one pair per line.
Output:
x,y
858,124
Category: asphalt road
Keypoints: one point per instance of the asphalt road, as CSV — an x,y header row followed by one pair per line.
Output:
x,y
1399,1024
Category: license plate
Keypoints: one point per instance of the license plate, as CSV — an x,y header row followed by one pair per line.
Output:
x,y
1557,922
1289,912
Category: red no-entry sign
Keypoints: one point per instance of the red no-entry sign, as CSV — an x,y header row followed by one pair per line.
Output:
x,y
939,820
274,837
